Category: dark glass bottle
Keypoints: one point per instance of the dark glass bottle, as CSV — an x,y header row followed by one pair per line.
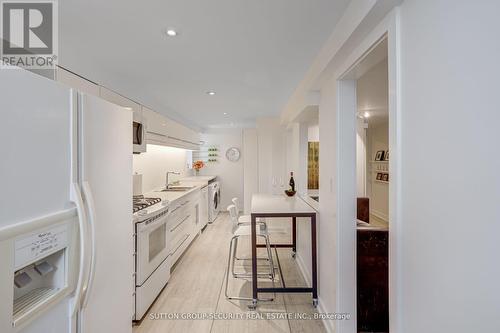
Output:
x,y
292,182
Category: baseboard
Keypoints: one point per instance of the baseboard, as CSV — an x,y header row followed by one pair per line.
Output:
x,y
330,328
303,270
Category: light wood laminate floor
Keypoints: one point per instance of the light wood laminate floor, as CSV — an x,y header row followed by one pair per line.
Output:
x,y
197,284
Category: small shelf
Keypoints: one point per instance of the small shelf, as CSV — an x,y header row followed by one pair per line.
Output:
x,y
206,160
381,181
206,154
379,161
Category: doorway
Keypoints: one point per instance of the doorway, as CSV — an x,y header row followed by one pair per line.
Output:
x,y
353,182
372,190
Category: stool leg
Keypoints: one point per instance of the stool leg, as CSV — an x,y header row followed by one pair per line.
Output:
x,y
228,265
230,259
234,255
270,255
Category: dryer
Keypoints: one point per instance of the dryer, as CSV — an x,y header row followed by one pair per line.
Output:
x,y
214,201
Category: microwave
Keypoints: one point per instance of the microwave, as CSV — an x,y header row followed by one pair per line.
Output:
x,y
139,137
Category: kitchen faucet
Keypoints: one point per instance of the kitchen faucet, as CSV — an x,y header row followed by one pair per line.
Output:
x,y
167,186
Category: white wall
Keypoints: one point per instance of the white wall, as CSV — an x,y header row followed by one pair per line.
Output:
x,y
450,165
361,162
327,228
298,136
155,163
230,174
372,94
250,166
372,91
313,133
271,136
378,139
449,226
296,155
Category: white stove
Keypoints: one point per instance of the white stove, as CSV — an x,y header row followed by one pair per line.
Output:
x,y
151,251
145,208
140,202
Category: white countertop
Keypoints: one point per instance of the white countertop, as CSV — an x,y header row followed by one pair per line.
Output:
x,y
173,196
279,203
310,201
201,179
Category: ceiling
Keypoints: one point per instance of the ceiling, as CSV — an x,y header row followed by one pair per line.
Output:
x,y
251,53
373,86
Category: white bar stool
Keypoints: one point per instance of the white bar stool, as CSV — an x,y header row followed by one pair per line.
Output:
x,y
240,230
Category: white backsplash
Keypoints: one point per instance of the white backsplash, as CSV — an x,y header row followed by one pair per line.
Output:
x,y
155,163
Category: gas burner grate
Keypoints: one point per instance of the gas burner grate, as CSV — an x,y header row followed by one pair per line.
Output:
x,y
139,202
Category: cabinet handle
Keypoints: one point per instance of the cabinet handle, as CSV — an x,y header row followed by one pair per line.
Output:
x,y
176,208
181,222
185,237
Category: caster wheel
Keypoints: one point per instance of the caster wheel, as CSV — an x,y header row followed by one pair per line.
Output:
x,y
253,305
315,302
293,255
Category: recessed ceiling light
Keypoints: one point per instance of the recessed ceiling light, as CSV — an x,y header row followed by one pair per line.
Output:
x,y
171,32
225,113
211,93
366,114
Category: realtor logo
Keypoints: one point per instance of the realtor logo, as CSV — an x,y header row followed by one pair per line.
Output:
x,y
29,34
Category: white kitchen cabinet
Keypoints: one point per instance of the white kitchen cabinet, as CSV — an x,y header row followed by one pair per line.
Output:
x,y
77,82
113,97
156,130
164,131
182,225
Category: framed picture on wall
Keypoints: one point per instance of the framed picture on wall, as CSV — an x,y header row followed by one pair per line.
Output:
x,y
379,176
379,156
386,155
385,177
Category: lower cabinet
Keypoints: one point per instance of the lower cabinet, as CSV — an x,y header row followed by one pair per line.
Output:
x,y
182,226
146,294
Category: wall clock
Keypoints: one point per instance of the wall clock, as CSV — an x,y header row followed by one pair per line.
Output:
x,y
233,154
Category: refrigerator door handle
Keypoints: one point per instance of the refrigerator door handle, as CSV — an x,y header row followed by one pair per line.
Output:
x,y
89,198
82,222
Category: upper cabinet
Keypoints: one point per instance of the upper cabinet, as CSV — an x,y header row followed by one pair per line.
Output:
x,y
77,82
160,130
164,131
118,99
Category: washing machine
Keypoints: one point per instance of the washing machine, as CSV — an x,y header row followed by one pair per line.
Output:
x,y
214,201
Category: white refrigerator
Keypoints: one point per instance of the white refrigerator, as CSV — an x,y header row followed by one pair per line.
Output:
x,y
66,233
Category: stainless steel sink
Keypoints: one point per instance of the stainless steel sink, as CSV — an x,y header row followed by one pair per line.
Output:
x,y
177,189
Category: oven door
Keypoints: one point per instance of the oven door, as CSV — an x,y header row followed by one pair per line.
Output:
x,y
139,137
152,247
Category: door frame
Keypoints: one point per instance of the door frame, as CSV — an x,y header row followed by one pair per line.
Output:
x,y
388,28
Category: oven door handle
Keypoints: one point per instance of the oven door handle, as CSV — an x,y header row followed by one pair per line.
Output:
x,y
143,227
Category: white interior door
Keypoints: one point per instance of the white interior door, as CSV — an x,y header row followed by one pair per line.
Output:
x,y
106,160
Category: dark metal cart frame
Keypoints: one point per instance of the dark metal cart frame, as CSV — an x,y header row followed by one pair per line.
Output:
x,y
255,288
